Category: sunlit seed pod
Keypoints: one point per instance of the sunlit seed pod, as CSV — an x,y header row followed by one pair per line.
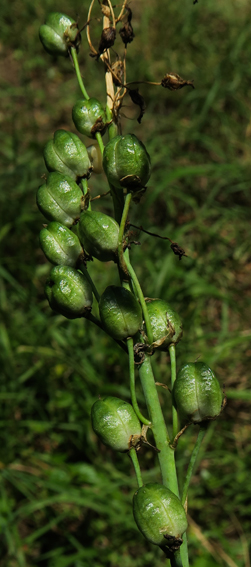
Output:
x,y
99,234
60,245
120,312
59,33
67,155
159,515
197,394
95,157
115,423
126,163
68,292
60,199
165,322
89,117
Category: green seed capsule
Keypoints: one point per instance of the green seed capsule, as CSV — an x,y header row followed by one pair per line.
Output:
x,y
68,292
68,155
99,235
60,245
159,515
196,393
89,117
166,323
59,33
60,199
115,423
126,162
120,312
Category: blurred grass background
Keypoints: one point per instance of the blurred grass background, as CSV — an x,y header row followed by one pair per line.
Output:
x,y
65,499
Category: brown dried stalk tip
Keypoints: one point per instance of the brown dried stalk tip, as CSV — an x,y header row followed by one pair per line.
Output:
x,y
107,39
174,82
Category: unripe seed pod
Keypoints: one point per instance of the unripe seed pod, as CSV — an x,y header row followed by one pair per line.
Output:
x,y
60,245
68,292
166,323
126,162
116,424
59,33
99,235
68,155
159,515
120,312
196,393
89,117
60,199
96,158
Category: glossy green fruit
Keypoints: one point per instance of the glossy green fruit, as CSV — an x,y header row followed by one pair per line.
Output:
x,y
60,245
120,312
196,393
68,155
115,422
60,199
159,515
68,292
59,33
166,323
99,235
126,162
89,117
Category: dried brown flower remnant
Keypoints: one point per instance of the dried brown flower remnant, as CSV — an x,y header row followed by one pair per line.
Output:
x,y
174,82
126,33
107,40
137,98
178,250
117,69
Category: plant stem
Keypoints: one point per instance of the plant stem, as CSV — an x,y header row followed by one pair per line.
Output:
x,y
140,296
193,458
122,230
88,277
134,458
132,383
100,142
80,80
96,321
166,455
172,353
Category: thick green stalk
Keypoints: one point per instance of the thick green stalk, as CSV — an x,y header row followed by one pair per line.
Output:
x,y
134,458
191,465
80,80
173,378
88,277
132,383
162,439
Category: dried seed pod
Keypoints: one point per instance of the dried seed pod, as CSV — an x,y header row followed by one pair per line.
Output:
x,y
69,292
165,322
99,235
126,33
174,82
126,162
59,33
68,155
116,424
120,312
159,515
196,393
89,117
107,39
60,199
60,245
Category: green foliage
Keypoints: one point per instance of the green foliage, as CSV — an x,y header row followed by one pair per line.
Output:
x,y
63,502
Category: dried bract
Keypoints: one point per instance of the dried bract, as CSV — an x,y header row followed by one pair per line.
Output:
x,y
137,98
